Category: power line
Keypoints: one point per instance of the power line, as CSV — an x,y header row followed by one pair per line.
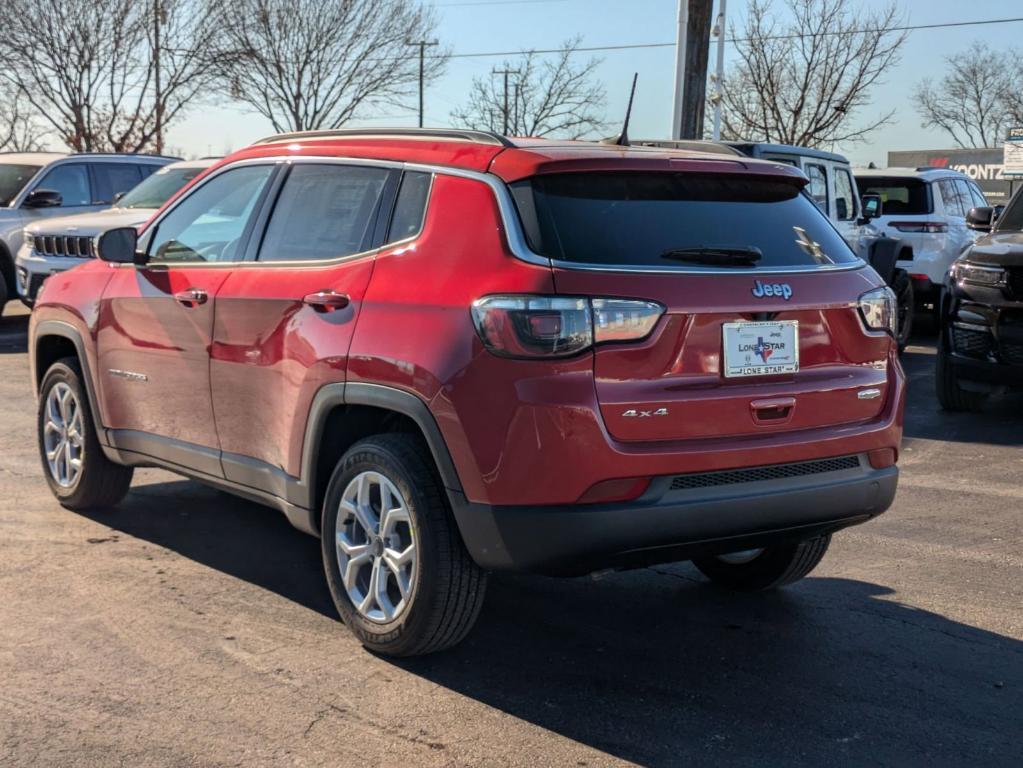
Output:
x,y
793,36
496,2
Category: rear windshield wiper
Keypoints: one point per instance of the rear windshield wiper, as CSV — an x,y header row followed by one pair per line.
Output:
x,y
718,256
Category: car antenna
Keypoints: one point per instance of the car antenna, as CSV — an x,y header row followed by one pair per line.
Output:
x,y
622,139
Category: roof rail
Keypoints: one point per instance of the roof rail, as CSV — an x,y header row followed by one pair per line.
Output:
x,y
449,134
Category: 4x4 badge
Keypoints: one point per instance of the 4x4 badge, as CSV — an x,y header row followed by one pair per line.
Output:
x,y
634,413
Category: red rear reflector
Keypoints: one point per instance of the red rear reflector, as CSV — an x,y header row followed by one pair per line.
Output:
x,y
882,458
625,489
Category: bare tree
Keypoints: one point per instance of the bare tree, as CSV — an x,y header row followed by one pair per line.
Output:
x,y
19,132
97,72
545,97
805,81
976,100
306,64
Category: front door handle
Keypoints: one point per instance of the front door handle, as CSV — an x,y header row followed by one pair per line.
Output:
x,y
191,297
327,300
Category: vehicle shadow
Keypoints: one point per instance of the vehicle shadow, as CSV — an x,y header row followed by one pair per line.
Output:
x,y
655,666
998,424
13,332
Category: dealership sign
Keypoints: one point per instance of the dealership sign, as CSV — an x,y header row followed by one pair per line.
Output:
x,y
984,166
1012,165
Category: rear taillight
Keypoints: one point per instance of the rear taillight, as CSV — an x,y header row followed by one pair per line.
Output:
x,y
927,227
559,326
878,310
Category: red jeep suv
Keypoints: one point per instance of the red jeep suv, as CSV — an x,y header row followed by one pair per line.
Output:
x,y
447,352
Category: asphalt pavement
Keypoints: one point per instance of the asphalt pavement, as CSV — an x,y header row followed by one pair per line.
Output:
x,y
189,628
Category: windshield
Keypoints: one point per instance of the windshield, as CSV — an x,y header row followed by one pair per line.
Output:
x,y
158,188
899,196
13,178
676,220
1011,219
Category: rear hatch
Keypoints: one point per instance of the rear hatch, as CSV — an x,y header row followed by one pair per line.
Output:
x,y
907,208
761,331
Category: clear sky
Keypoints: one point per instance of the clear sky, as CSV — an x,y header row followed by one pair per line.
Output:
x,y
470,26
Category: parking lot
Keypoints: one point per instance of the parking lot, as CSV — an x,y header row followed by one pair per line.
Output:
x,y
187,627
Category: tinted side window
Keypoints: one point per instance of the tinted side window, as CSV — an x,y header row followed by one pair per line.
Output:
x,y
818,186
113,179
979,201
410,207
324,212
899,195
72,181
950,198
208,224
963,192
845,200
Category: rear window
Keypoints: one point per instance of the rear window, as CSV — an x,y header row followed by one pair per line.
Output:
x,y
899,196
647,219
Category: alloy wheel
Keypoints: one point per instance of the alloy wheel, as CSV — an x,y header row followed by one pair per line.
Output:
x,y
63,438
376,547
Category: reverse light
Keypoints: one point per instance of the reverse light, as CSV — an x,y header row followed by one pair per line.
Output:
x,y
964,272
927,227
559,326
877,308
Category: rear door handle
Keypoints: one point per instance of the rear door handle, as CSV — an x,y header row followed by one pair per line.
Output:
x,y
327,300
191,296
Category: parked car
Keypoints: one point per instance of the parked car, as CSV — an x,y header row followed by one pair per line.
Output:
x,y
38,185
833,188
54,245
926,209
980,348
447,352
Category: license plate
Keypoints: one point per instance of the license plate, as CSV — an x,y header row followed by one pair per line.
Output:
x,y
761,349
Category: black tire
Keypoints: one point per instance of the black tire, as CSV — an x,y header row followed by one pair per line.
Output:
x,y
4,294
447,588
951,396
100,482
774,567
905,305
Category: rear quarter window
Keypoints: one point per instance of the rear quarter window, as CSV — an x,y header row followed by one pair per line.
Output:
x,y
638,219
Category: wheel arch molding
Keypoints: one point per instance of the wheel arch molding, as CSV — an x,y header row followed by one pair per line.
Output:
x,y
57,329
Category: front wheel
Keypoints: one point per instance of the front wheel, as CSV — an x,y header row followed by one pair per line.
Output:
x,y
395,563
77,471
756,570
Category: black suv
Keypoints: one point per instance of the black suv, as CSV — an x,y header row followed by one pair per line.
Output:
x,y
980,349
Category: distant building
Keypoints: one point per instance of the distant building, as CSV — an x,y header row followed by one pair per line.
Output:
x,y
984,166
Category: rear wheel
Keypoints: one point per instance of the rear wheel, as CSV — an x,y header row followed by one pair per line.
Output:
x,y
755,570
951,395
395,563
902,286
77,471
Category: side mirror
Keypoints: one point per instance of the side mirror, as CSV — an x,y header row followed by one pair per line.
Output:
x,y
980,219
120,246
43,198
118,196
872,206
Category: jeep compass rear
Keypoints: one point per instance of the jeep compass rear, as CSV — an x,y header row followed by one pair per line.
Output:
x,y
448,353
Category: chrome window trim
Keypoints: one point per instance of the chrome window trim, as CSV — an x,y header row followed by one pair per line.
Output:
x,y
513,232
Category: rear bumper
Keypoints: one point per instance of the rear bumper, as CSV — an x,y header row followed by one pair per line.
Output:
x,y
666,525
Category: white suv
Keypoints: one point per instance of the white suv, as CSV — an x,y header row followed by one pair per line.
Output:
x,y
39,185
54,245
926,209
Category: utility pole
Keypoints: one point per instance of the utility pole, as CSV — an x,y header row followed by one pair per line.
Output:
x,y
505,72
692,48
515,122
719,75
157,88
422,45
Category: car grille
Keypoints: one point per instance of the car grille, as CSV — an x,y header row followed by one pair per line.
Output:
x,y
1015,283
63,245
758,474
973,343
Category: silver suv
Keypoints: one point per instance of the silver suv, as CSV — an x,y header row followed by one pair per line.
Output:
x,y
36,185
54,245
